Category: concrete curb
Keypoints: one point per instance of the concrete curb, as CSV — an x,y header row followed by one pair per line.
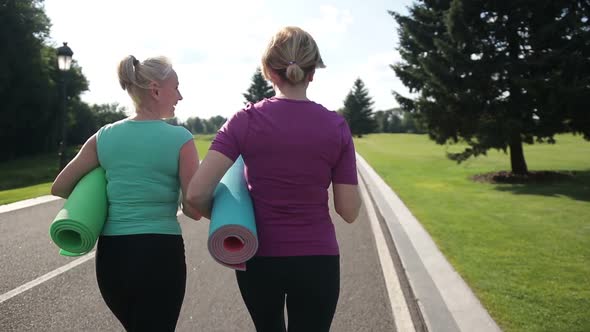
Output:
x,y
445,301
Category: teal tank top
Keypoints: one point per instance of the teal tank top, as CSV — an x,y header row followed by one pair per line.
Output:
x,y
141,163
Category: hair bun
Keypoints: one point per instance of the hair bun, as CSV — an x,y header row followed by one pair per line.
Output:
x,y
135,61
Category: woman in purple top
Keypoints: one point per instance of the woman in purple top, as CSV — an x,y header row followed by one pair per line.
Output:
x,y
293,149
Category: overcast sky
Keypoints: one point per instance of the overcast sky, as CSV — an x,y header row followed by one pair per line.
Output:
x,y
215,46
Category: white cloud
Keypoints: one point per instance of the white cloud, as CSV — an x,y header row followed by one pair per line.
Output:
x,y
329,29
332,86
381,80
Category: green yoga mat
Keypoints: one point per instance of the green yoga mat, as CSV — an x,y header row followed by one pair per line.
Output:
x,y
78,224
232,232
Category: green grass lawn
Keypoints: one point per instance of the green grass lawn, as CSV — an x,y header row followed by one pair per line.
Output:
x,y
203,142
31,177
523,249
27,177
28,171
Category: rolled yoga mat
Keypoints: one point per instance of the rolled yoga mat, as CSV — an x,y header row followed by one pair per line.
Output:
x,y
232,232
79,223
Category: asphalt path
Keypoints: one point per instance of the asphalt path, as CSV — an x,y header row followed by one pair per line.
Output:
x,y
70,301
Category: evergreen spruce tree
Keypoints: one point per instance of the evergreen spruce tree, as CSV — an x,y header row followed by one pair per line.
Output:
x,y
358,110
496,74
259,89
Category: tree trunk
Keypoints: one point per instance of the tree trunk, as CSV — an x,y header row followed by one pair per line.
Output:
x,y
517,161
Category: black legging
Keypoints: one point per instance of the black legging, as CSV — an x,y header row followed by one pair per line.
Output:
x,y
142,279
310,284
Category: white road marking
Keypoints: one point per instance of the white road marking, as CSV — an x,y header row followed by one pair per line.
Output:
x,y
23,288
399,307
45,277
27,203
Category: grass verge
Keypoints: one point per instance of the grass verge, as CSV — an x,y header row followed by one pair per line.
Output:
x,y
523,248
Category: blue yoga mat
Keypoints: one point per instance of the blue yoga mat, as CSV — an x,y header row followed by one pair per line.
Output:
x,y
232,232
78,224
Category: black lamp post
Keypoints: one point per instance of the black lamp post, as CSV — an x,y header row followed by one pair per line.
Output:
x,y
64,61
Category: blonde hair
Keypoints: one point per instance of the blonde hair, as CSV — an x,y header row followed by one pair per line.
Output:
x,y
136,77
292,54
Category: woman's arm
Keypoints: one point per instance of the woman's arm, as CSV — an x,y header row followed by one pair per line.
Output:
x,y
187,167
85,161
203,184
347,201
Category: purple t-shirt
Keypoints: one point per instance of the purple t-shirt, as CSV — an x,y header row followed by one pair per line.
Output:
x,y
292,151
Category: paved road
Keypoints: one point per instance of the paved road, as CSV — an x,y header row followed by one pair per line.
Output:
x,y
71,301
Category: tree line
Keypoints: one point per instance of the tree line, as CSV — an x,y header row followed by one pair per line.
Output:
x,y
357,110
363,119
197,125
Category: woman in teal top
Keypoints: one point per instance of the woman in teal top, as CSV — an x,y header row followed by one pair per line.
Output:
x,y
140,262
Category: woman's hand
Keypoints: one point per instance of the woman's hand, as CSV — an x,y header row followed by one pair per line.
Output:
x,y
190,211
